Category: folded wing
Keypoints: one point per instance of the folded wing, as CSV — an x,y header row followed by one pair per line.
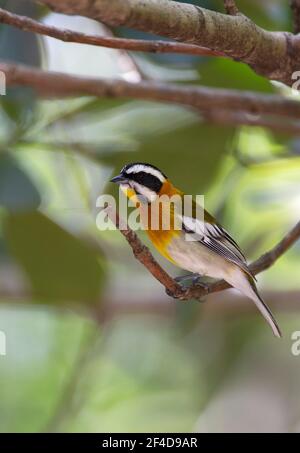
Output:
x,y
216,238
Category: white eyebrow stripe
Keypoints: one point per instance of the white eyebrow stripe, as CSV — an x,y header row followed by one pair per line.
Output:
x,y
151,171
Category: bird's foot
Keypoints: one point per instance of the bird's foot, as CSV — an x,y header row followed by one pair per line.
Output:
x,y
196,282
185,278
199,283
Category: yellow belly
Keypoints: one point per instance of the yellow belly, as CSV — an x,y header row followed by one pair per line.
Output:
x,y
160,237
161,241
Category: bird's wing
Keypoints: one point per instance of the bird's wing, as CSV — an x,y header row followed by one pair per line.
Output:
x,y
216,238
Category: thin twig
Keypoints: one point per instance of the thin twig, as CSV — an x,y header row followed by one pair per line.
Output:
x,y
55,84
230,7
142,254
139,45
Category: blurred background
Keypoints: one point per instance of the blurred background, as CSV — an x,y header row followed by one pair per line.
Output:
x,y
93,343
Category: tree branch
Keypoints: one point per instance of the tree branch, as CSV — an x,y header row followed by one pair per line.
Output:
x,y
295,6
53,84
274,55
139,45
236,118
142,254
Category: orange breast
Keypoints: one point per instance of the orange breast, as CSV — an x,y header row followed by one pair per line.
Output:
x,y
160,221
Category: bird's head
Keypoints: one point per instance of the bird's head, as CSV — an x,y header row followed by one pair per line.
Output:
x,y
141,182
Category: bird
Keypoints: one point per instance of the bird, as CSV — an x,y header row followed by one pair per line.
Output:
x,y
200,244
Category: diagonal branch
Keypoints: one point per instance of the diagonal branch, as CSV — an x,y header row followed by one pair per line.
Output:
x,y
274,55
139,45
53,84
142,254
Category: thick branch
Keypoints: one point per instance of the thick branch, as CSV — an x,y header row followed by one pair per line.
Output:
x,y
208,99
142,253
295,5
272,54
235,118
140,45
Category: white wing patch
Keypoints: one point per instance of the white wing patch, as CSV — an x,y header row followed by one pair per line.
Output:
x,y
214,237
191,225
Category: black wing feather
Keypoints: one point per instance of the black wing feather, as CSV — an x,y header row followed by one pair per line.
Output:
x,y
219,241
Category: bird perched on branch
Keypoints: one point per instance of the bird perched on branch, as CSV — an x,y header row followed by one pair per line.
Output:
x,y
190,238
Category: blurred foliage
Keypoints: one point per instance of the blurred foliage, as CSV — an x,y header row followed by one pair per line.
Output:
x,y
45,250
17,45
196,368
230,74
16,190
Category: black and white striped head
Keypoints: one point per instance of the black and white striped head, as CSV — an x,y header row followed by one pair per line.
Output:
x,y
144,179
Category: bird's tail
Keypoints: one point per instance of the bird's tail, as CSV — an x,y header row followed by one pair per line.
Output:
x,y
246,284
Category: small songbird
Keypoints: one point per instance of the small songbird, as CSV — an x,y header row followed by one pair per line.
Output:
x,y
201,245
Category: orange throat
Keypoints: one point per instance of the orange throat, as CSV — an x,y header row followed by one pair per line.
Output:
x,y
158,220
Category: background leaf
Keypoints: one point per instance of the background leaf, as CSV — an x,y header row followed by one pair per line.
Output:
x,y
59,266
17,192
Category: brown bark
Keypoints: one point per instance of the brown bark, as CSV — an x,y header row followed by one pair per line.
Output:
x,y
208,99
140,45
274,55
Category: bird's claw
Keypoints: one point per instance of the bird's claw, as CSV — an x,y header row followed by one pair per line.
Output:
x,y
170,293
201,284
197,282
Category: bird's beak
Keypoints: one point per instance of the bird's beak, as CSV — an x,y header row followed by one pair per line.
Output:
x,y
119,179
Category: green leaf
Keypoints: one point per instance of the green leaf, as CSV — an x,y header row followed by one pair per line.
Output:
x,y
20,47
59,266
17,45
19,105
190,154
227,73
17,192
272,15
171,137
